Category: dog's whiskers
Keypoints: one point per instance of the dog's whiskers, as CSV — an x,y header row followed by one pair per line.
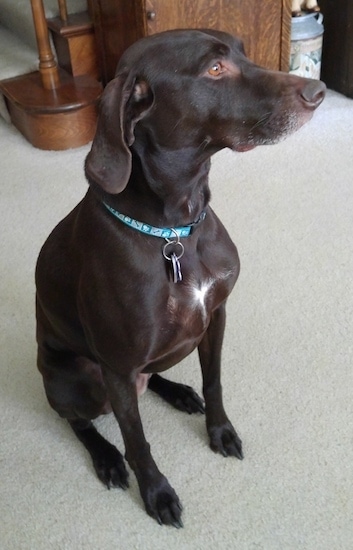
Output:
x,y
175,126
261,122
204,143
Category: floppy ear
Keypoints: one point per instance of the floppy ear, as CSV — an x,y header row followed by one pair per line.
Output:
x,y
125,100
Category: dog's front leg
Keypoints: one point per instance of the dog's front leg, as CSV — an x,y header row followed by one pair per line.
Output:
x,y
160,499
223,437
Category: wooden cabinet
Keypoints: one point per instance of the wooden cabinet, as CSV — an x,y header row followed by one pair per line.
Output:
x,y
264,26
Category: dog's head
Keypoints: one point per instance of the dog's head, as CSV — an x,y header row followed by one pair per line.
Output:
x,y
193,89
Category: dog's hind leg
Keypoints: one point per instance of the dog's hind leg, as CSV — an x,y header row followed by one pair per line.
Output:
x,y
76,391
180,396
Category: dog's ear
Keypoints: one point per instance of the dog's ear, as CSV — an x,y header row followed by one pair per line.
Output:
x,y
124,102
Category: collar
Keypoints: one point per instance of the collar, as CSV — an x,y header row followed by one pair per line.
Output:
x,y
164,232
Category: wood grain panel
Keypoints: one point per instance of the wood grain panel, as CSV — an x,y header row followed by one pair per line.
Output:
x,y
56,132
59,119
118,24
75,44
258,24
264,26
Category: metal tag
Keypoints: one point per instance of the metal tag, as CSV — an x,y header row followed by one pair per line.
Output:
x,y
176,269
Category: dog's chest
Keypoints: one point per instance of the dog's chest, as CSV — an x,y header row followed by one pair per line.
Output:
x,y
191,302
185,311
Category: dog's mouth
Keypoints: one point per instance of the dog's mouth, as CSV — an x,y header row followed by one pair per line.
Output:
x,y
243,148
271,129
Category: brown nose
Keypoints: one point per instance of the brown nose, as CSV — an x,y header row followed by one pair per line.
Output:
x,y
313,93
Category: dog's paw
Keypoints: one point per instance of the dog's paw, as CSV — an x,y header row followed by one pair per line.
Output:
x,y
163,504
186,399
180,396
225,440
110,468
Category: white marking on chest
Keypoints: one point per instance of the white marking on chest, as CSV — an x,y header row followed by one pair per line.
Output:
x,y
199,294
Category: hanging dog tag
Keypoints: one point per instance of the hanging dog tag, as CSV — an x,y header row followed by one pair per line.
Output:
x,y
174,258
176,269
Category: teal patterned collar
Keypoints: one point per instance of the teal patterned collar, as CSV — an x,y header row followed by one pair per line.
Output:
x,y
163,232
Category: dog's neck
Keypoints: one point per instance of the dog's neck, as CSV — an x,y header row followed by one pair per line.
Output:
x,y
165,189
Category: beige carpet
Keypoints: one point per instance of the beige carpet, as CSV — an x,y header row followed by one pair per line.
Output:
x,y
287,371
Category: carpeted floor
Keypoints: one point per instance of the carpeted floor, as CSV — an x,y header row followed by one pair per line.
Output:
x,y
287,364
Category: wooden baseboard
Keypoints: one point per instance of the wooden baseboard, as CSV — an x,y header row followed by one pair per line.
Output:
x,y
53,119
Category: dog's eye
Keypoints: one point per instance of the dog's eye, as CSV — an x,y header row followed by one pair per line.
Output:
x,y
216,69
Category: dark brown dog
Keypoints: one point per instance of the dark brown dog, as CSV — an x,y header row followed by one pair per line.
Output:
x,y
119,300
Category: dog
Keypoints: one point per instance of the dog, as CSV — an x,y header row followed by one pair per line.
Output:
x,y
137,276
